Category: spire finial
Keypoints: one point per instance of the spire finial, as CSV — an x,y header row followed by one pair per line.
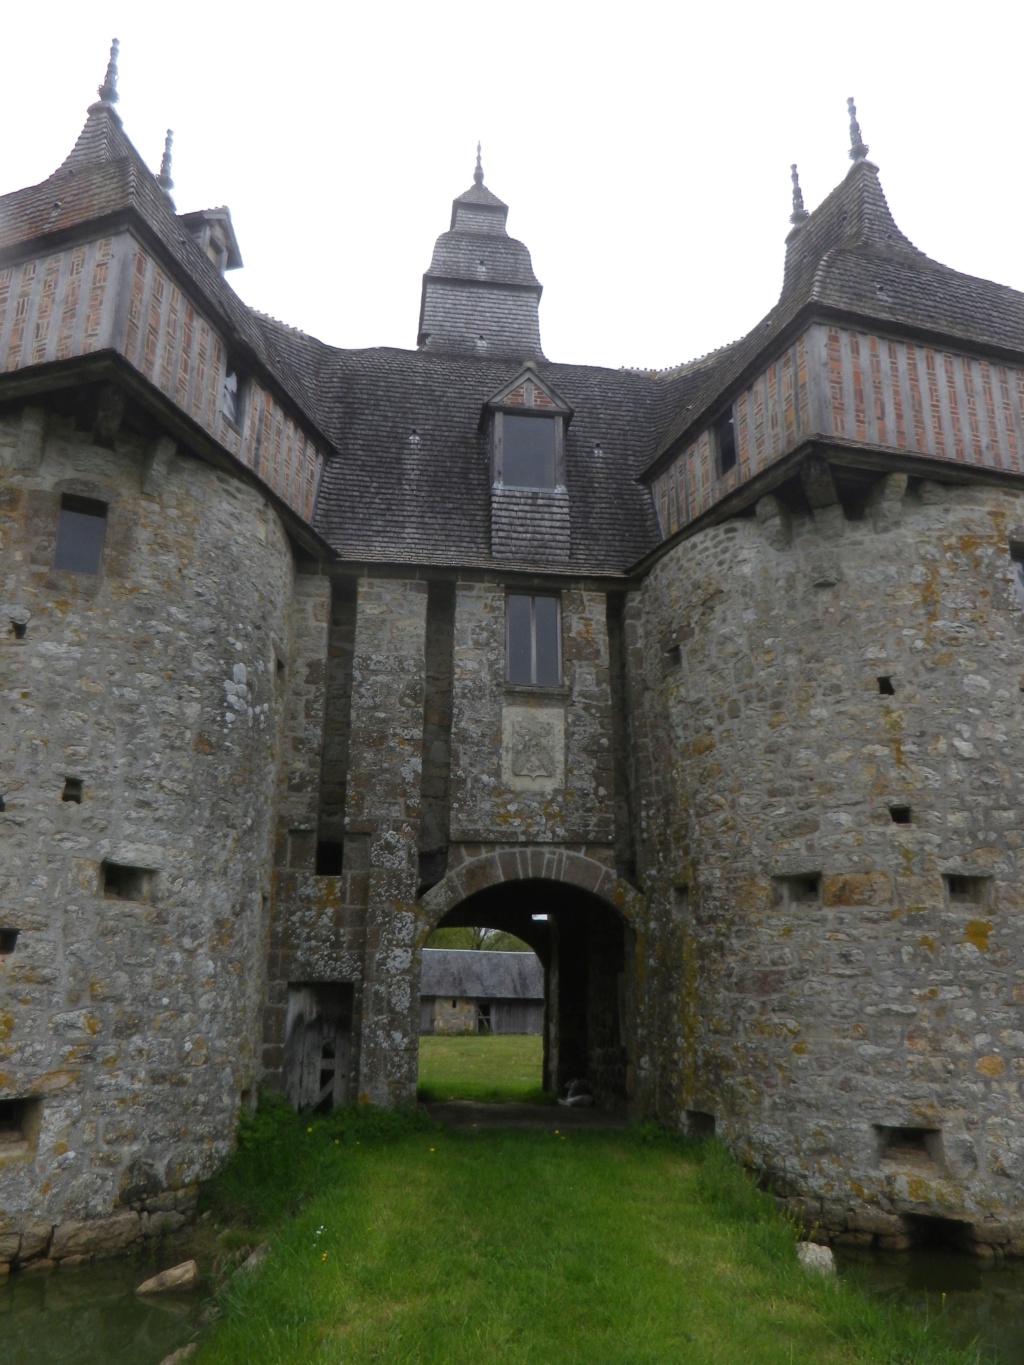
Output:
x,y
108,90
799,214
164,178
478,174
858,147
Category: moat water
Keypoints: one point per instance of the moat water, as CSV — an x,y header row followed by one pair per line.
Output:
x,y
91,1315
980,1300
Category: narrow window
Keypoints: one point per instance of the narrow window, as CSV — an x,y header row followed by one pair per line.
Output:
x,y
532,640
72,790
900,815
527,451
1017,561
885,686
81,524
725,442
232,393
8,940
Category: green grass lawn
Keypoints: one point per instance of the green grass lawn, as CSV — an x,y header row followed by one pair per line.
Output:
x,y
396,1240
487,1068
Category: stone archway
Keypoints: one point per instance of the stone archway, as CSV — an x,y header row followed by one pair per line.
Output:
x,y
586,942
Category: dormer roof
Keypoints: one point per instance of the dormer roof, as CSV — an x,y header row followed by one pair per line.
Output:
x,y
528,392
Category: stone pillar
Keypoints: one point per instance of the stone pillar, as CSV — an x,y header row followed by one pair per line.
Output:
x,y
383,802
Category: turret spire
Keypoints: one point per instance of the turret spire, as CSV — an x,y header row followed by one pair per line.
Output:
x,y
164,178
108,90
799,214
478,174
858,147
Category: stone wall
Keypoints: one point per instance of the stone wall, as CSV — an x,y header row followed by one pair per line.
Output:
x,y
138,753
567,795
827,727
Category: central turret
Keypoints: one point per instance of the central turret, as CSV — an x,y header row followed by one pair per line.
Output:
x,y
480,295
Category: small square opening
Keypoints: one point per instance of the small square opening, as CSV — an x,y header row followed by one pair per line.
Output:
x,y
19,1125
72,790
8,939
885,686
900,815
329,857
121,881
699,1124
921,1146
19,628
673,657
803,888
962,889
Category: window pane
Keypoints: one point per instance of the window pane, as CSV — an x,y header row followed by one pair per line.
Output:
x,y
546,629
80,526
517,620
528,451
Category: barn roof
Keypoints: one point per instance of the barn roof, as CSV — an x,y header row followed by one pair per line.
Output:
x,y
471,974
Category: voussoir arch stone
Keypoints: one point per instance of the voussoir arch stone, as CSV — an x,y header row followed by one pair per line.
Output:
x,y
490,866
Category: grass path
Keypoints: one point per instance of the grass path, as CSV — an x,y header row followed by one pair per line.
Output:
x,y
487,1069
409,1243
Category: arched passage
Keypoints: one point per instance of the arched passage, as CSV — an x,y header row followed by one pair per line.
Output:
x,y
586,945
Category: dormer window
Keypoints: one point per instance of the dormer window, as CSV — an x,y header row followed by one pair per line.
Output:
x,y
528,421
526,451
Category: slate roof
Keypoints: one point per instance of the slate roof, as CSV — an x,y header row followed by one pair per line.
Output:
x,y
392,497
850,258
470,974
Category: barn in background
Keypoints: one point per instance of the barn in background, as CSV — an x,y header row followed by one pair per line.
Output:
x,y
463,990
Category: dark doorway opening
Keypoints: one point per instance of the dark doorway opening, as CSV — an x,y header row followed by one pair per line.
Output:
x,y
587,952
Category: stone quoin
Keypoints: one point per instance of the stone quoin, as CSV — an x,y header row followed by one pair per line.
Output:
x,y
707,683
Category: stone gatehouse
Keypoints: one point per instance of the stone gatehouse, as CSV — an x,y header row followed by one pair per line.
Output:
x,y
706,683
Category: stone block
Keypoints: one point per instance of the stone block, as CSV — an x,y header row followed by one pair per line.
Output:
x,y
856,888
95,1236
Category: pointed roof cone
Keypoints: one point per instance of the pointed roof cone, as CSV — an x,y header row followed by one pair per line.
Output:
x,y
478,174
858,147
164,178
799,214
108,90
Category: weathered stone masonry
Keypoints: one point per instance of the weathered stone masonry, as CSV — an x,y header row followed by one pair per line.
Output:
x,y
762,821
890,996
148,690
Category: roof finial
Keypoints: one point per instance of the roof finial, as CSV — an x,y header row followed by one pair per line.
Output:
x,y
478,174
858,147
799,214
164,178
108,90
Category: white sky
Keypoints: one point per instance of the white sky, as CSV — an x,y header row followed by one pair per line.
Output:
x,y
643,150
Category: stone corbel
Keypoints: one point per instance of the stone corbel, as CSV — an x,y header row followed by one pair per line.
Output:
x,y
886,502
774,521
28,454
156,463
109,413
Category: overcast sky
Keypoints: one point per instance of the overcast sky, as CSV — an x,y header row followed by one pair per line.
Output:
x,y
643,150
